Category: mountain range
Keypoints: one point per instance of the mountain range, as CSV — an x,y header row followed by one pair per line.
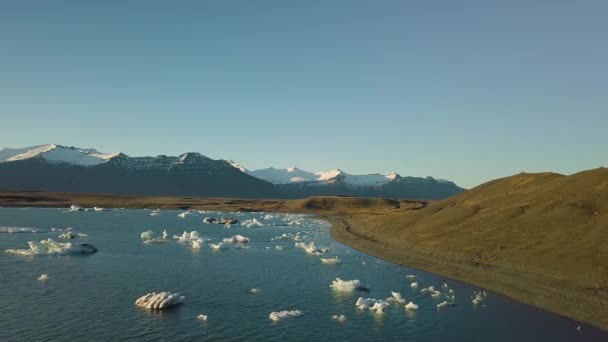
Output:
x,y
70,169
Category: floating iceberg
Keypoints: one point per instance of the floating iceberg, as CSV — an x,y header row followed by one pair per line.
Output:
x,y
254,290
311,248
50,246
188,236
279,315
376,305
43,277
69,235
75,207
411,306
150,237
202,317
414,285
345,285
236,239
396,298
252,223
410,276
331,261
479,297
159,301
11,230
444,304
339,318
217,246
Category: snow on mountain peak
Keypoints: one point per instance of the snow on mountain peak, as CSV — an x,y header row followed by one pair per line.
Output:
x,y
327,175
237,165
56,154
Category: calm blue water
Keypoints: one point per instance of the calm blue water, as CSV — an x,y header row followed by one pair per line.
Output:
x,y
92,297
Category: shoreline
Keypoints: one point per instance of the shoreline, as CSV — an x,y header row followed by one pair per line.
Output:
x,y
352,222
525,287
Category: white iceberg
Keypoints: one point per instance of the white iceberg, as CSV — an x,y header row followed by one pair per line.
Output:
x,y
254,290
12,230
414,285
217,246
279,315
396,298
345,285
411,306
331,261
149,237
339,318
236,239
43,277
311,248
479,297
202,317
160,300
252,223
50,246
376,305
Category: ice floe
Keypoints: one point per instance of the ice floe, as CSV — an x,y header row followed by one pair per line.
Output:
x,y
217,246
202,317
414,285
311,248
50,246
149,237
12,230
479,297
254,290
377,305
410,276
236,239
160,300
252,223
411,306
279,315
331,261
69,235
396,298
339,318
345,285
43,277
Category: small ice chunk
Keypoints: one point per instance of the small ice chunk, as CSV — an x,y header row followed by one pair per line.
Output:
x,y
279,315
396,297
443,304
339,318
411,306
217,246
345,285
43,277
160,300
236,239
254,290
202,317
410,276
331,261
414,285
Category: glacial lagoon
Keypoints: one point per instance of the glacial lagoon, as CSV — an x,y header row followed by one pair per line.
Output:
x,y
237,286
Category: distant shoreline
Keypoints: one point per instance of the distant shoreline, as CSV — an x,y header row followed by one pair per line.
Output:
x,y
352,221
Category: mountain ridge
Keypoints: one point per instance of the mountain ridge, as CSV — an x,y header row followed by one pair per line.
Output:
x,y
192,173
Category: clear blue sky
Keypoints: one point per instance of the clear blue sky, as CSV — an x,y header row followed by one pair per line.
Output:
x,y
463,90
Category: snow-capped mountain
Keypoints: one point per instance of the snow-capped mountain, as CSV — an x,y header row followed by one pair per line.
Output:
x,y
283,176
56,154
72,169
295,175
